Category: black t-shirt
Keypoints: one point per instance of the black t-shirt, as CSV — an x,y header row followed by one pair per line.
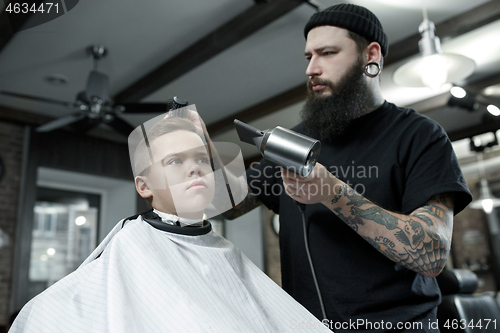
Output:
x,y
396,158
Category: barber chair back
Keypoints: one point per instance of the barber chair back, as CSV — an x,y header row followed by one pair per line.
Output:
x,y
460,311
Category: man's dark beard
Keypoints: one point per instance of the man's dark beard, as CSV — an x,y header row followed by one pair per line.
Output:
x,y
330,116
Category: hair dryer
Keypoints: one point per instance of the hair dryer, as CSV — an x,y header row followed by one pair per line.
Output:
x,y
286,148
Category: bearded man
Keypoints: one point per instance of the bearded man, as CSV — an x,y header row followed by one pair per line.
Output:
x,y
381,199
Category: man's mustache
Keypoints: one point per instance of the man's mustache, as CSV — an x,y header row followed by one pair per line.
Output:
x,y
317,81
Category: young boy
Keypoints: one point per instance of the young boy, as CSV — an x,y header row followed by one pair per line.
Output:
x,y
176,174
165,270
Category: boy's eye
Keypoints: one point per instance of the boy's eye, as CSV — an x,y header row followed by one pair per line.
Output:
x,y
174,161
204,160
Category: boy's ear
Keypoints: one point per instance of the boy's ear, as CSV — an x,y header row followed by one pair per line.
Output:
x,y
142,187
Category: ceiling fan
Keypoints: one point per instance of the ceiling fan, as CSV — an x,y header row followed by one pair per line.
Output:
x,y
94,106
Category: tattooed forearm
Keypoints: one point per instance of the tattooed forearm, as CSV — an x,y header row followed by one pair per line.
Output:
x,y
353,222
385,246
337,196
425,218
249,203
378,215
436,211
429,260
355,199
420,241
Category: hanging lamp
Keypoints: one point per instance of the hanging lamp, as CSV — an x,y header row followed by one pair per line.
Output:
x,y
432,68
486,200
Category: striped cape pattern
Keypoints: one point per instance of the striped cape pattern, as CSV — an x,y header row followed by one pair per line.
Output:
x,y
148,280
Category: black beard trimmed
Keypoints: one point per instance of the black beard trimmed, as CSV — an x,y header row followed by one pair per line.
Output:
x,y
330,116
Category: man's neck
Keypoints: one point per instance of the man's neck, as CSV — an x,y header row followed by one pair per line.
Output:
x,y
374,100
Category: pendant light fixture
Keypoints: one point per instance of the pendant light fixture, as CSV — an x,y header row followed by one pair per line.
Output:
x,y
432,68
486,199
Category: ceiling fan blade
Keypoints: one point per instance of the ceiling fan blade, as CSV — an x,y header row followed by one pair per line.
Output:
x,y
36,98
145,107
61,122
85,125
97,87
119,125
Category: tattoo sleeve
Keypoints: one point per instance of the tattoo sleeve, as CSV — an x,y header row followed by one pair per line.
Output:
x,y
419,241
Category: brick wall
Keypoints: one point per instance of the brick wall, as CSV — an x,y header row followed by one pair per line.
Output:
x,y
470,245
11,146
471,238
469,234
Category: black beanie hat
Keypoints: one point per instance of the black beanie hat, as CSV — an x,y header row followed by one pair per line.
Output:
x,y
354,18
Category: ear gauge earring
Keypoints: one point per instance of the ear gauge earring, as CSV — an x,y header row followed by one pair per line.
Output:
x,y
367,69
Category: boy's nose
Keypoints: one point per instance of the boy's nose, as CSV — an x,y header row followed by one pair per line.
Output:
x,y
195,169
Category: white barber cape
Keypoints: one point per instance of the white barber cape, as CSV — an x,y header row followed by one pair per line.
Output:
x,y
145,278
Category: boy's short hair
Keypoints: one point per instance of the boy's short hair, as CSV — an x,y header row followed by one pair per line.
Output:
x,y
143,158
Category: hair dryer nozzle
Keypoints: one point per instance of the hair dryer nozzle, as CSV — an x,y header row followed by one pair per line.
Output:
x,y
248,133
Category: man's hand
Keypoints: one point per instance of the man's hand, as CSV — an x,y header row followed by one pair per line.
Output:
x,y
318,187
